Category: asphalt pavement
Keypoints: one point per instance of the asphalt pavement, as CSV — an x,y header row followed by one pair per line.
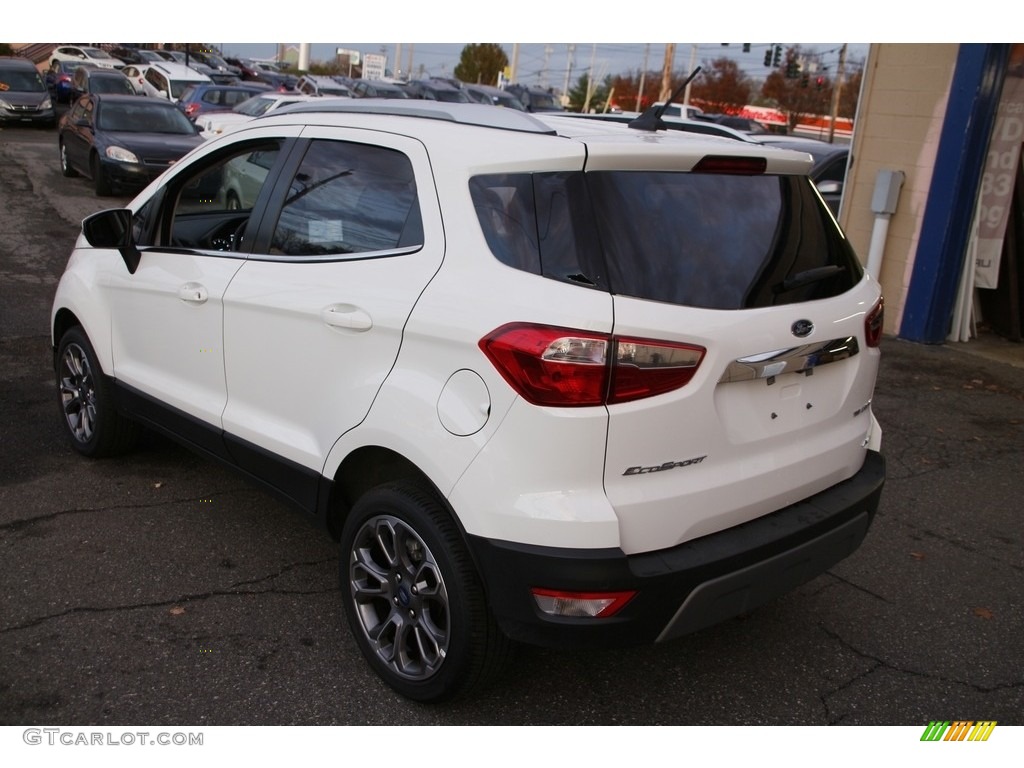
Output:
x,y
157,588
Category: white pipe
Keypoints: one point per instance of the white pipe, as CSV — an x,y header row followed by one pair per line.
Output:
x,y
877,247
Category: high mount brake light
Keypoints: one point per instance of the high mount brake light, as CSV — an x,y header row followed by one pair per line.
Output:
x,y
733,166
565,367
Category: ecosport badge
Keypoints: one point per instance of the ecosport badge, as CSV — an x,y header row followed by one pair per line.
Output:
x,y
663,467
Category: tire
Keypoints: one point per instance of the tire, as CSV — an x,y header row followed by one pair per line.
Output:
x,y
65,166
86,401
99,179
413,598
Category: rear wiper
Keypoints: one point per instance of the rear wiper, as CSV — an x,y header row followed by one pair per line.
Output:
x,y
651,120
807,277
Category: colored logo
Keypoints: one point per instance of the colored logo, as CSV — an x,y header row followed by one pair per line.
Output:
x,y
958,730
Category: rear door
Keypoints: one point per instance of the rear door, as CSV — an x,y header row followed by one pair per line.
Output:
x,y
751,268
314,319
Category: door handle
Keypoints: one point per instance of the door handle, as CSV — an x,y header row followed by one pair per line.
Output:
x,y
193,293
346,316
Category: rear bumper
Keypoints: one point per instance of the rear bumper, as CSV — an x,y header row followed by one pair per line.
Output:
x,y
686,588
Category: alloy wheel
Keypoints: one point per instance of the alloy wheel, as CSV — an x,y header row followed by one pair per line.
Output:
x,y
400,597
78,393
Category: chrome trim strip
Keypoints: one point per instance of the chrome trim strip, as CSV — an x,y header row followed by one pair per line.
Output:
x,y
802,359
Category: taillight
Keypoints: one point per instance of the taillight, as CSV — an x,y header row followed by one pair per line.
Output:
x,y
570,368
191,109
873,324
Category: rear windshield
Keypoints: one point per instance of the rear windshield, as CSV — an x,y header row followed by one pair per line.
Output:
x,y
699,240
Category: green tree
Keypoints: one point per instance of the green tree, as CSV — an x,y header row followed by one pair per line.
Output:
x,y
598,94
721,87
481,63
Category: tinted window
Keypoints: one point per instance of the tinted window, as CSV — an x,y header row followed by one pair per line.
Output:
x,y
540,223
699,240
349,198
719,241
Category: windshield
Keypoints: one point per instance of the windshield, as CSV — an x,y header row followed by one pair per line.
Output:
x,y
143,117
21,80
95,53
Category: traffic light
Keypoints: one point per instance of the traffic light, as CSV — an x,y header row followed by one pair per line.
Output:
x,y
792,69
768,57
746,47
777,59
820,82
805,80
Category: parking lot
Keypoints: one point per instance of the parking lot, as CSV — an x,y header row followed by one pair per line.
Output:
x,y
158,588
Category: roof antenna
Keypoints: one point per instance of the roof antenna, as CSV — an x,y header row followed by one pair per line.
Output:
x,y
651,120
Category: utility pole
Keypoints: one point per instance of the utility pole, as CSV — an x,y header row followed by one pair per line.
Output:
x,y
515,63
643,77
544,72
590,79
408,67
836,90
666,72
693,64
568,71
398,62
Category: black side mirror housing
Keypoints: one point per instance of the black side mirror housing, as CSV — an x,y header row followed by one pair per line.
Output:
x,y
113,229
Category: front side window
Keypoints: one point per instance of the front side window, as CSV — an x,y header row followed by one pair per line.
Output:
x,y
209,206
348,198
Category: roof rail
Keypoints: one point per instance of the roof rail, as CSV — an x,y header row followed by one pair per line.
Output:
x,y
482,115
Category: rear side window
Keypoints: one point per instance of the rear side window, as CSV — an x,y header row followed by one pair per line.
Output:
x,y
349,198
699,240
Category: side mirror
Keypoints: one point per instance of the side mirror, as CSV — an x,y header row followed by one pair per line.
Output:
x,y
113,229
830,187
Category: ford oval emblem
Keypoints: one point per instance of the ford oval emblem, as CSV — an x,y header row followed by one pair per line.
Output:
x,y
802,328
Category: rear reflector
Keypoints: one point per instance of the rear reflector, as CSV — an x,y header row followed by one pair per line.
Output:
x,y
592,605
733,166
564,367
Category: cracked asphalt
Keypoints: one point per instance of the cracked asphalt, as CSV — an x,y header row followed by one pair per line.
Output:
x,y
157,588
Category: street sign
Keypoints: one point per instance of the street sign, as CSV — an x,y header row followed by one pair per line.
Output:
x,y
374,65
353,56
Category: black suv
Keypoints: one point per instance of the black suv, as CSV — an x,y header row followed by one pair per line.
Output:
x,y
535,99
436,90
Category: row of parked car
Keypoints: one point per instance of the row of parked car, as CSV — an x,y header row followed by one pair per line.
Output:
x,y
216,105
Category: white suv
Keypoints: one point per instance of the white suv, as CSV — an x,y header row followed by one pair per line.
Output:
x,y
166,80
550,380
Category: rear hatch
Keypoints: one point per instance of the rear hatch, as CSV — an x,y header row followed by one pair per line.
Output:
x,y
738,264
